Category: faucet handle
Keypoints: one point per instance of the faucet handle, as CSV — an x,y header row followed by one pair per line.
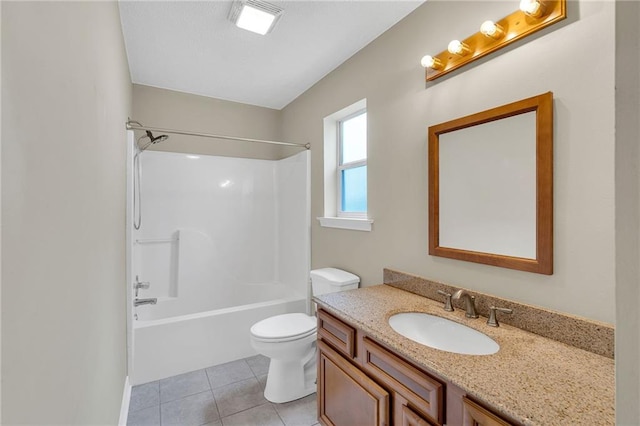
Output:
x,y
447,301
140,285
493,320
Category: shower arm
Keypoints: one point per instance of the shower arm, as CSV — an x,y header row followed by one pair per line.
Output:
x,y
135,125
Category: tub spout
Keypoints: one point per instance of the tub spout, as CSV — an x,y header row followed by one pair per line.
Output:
x,y
138,302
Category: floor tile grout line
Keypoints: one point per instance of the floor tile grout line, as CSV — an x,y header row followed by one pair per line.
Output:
x,y
184,396
251,408
188,396
215,401
206,373
278,414
145,408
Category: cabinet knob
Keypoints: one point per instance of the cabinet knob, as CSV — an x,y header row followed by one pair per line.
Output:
x,y
493,320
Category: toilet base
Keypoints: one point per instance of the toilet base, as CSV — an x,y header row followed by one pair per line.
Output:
x,y
291,380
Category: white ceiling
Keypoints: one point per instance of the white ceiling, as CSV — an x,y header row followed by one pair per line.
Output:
x,y
192,47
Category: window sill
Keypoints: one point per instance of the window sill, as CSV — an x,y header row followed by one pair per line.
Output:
x,y
346,223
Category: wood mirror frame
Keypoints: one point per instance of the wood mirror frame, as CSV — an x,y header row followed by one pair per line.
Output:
x,y
542,105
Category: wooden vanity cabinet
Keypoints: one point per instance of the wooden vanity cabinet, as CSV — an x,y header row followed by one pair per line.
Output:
x,y
346,396
363,383
476,415
417,398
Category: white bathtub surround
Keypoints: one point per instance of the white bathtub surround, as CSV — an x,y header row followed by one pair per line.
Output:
x,y
224,243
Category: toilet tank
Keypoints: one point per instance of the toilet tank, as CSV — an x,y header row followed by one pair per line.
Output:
x,y
331,280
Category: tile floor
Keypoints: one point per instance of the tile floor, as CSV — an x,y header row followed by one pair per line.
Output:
x,y
230,394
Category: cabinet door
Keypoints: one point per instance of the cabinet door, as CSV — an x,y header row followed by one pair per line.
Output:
x,y
423,392
346,396
476,415
411,418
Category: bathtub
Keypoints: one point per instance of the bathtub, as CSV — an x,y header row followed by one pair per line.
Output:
x,y
170,346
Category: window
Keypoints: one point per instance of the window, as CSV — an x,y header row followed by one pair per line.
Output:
x,y
352,166
345,169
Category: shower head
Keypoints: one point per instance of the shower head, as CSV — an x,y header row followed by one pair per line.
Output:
x,y
156,139
152,140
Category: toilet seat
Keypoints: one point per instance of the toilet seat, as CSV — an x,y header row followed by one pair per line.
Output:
x,y
283,328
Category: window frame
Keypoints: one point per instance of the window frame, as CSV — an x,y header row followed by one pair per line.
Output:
x,y
340,167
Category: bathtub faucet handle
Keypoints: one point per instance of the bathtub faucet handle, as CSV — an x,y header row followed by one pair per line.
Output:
x,y
140,285
139,302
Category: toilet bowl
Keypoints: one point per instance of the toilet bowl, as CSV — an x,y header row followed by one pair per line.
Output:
x,y
289,340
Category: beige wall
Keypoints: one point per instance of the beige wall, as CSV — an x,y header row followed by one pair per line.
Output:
x,y
0,211
66,94
176,110
627,212
400,109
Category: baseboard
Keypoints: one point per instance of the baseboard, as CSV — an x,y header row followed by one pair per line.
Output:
x,y
124,408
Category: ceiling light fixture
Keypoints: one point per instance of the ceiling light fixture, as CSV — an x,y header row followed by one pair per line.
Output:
x,y
255,15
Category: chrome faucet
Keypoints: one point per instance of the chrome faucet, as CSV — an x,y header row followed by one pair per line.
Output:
x,y
470,302
493,320
138,302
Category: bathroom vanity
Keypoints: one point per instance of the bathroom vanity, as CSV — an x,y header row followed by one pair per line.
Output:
x,y
370,375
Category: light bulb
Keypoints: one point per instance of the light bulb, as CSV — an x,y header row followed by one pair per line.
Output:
x,y
491,29
429,61
458,48
533,8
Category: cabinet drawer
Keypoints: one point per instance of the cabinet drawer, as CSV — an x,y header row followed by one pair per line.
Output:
x,y
421,391
346,396
476,415
340,335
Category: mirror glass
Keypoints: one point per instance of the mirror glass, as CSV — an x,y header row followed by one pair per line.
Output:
x,y
486,172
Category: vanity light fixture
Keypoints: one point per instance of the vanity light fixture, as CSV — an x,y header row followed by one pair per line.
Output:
x,y
491,29
255,15
533,8
531,16
458,48
429,61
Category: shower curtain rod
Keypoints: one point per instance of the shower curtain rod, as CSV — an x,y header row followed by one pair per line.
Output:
x,y
131,126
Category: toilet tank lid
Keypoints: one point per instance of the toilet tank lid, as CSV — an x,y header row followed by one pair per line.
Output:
x,y
335,275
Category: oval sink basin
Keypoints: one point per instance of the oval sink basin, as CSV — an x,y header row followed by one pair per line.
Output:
x,y
440,333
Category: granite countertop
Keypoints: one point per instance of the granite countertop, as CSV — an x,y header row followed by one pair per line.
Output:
x,y
532,379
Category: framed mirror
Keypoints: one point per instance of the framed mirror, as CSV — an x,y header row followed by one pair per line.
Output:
x,y
491,186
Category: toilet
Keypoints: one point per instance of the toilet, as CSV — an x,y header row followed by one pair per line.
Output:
x,y
289,340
